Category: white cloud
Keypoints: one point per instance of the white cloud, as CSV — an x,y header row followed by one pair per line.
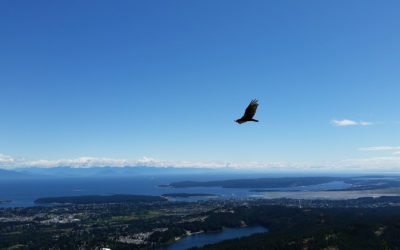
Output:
x,y
6,158
396,153
7,161
81,162
348,165
346,122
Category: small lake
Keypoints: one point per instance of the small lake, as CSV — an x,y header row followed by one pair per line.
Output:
x,y
199,240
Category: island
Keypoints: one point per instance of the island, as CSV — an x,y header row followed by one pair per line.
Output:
x,y
275,190
356,183
5,201
99,199
188,195
257,183
163,185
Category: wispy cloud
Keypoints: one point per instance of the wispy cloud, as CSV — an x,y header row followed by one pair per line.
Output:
x,y
395,150
363,123
346,122
364,164
380,148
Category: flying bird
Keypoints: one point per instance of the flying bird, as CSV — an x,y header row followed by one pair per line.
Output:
x,y
249,113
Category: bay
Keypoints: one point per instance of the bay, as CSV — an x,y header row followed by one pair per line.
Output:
x,y
23,192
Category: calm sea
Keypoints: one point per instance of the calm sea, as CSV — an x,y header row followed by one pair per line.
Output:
x,y
24,192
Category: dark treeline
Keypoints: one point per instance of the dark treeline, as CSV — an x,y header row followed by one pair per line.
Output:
x,y
333,228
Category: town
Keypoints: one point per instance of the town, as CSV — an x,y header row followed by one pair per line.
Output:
x,y
139,225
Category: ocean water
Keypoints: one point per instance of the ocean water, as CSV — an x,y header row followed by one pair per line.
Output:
x,y
24,192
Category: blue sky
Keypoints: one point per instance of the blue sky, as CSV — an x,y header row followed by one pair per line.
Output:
x,y
166,80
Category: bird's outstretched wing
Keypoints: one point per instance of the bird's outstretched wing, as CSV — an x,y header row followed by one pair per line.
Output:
x,y
250,110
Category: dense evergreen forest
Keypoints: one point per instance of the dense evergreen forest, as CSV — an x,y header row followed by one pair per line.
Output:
x,y
368,224
333,228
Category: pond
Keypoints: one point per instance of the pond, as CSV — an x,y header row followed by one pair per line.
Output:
x,y
201,239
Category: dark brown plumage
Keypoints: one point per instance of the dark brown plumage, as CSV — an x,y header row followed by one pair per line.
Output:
x,y
249,113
